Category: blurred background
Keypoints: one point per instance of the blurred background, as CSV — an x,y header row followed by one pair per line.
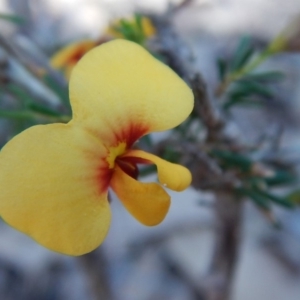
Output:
x,y
170,260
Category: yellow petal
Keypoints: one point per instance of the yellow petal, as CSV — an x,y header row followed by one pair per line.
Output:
x,y
119,87
148,27
147,202
54,187
66,58
172,176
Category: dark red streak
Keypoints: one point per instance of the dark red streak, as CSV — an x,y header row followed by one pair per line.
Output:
x,y
103,178
131,133
135,160
129,165
75,57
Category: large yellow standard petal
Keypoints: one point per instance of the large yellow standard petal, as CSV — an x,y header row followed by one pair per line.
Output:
x,y
147,202
122,89
54,184
172,176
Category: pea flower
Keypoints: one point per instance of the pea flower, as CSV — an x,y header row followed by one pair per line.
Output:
x,y
67,57
55,178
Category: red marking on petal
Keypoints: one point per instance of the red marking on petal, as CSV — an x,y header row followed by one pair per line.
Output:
x,y
77,55
135,160
113,134
80,50
103,178
101,175
131,133
112,137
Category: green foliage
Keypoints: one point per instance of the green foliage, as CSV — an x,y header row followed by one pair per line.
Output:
x,y
170,154
242,55
222,68
31,108
294,197
256,187
240,84
60,90
231,159
12,18
132,30
280,178
281,201
252,89
264,77
261,201
264,198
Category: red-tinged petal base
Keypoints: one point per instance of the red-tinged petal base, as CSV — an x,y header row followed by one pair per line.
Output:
x,y
147,202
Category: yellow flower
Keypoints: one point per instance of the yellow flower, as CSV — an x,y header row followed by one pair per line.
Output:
x,y
66,58
55,178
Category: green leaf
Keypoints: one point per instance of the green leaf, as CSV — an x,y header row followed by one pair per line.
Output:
x,y
249,88
138,21
12,18
19,115
280,178
276,199
146,142
294,197
139,28
147,170
19,92
249,102
247,93
171,155
260,201
222,68
127,29
242,54
234,159
43,109
264,77
60,90
132,30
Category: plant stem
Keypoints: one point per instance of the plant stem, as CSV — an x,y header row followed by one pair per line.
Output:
x,y
95,267
228,212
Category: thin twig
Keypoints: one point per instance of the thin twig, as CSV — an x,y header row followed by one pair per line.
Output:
x,y
228,230
171,47
205,109
95,267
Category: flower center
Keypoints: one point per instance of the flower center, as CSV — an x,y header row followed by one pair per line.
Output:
x,y
128,164
114,152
